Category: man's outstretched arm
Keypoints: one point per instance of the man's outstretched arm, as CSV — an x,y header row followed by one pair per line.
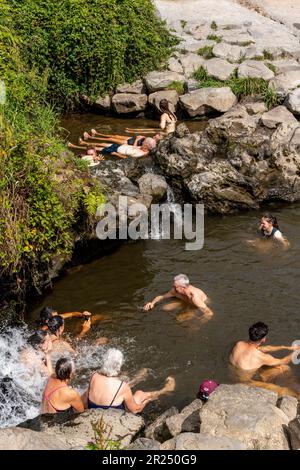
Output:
x,y
157,299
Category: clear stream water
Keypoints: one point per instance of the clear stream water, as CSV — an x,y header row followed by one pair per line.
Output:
x,y
245,285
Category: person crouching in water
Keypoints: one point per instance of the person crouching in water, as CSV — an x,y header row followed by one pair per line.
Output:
x,y
58,396
106,390
269,229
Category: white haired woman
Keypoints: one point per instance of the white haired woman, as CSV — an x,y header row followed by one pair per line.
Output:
x,y
106,390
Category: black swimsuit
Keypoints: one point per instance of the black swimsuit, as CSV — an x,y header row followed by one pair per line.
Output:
x,y
91,404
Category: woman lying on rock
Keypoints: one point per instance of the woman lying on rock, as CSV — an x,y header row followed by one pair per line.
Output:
x,y
106,389
58,396
37,353
136,141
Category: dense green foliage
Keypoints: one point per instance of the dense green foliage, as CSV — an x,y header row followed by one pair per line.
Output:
x,y
51,52
90,46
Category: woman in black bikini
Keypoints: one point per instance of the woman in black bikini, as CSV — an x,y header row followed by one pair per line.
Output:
x,y
58,396
167,119
106,390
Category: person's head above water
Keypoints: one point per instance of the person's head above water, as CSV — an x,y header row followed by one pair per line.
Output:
x,y
64,369
164,107
181,281
258,332
268,221
112,363
56,325
149,144
40,340
46,314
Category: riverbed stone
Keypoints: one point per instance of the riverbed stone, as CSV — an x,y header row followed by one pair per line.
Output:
x,y
190,63
285,65
228,52
256,107
253,52
24,439
77,430
188,420
246,413
202,441
174,65
289,405
170,95
192,84
103,103
142,443
240,39
155,185
285,82
125,103
254,69
219,68
292,101
200,102
276,116
157,81
136,87
158,430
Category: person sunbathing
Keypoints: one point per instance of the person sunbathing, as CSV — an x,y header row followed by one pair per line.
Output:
x,y
124,150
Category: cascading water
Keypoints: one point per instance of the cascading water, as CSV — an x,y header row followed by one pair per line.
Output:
x,y
158,232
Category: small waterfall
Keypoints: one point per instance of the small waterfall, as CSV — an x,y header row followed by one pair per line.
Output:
x,y
157,232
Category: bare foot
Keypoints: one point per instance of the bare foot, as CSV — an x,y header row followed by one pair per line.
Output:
x,y
170,385
94,132
101,341
86,136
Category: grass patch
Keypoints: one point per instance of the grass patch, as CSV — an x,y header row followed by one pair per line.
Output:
x,y
183,23
214,37
267,55
206,52
213,26
177,86
241,87
271,67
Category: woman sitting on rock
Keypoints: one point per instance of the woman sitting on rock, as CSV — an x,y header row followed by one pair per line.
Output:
x,y
58,396
167,119
106,390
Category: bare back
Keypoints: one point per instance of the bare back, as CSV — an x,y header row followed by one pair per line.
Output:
x,y
246,356
103,389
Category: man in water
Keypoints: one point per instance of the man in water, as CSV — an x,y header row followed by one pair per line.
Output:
x,y
250,357
184,292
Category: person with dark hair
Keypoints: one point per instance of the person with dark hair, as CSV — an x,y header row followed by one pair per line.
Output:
x,y
269,229
167,119
58,396
56,326
251,357
47,313
37,352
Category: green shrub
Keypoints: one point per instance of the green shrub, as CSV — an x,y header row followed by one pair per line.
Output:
x,y
178,86
213,37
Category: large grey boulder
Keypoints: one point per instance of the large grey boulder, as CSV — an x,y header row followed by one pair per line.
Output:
x,y
190,63
125,103
155,185
156,81
77,430
292,101
188,420
103,103
158,430
276,116
202,441
219,68
246,413
142,443
255,69
25,439
285,82
205,100
136,87
169,95
228,52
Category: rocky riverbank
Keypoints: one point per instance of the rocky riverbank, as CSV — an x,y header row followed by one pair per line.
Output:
x,y
236,417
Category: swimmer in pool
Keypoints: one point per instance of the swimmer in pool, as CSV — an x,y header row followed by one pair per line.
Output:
x,y
49,312
251,357
37,353
186,293
269,230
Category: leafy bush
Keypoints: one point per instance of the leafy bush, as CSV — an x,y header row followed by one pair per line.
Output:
x,y
90,46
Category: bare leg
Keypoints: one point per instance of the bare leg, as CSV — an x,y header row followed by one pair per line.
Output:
x,y
271,373
109,136
98,317
139,377
141,397
169,307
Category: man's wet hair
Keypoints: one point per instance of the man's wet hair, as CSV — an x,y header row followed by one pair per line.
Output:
x,y
64,368
258,331
37,338
45,315
55,323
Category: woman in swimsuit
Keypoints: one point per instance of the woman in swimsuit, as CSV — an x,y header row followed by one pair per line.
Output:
x,y
106,390
167,119
56,326
58,396
269,229
37,354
